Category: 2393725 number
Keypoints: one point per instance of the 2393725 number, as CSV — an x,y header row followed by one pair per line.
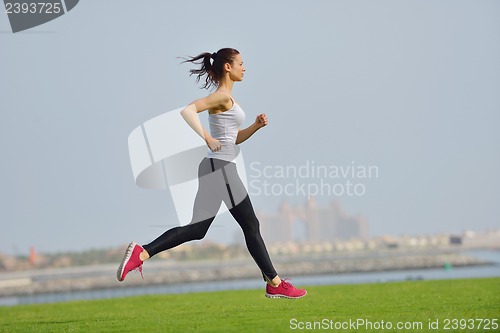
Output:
x,y
485,324
32,8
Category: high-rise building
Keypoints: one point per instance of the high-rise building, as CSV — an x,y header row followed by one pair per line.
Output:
x,y
310,223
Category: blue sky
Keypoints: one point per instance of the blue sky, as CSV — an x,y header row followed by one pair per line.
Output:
x,y
408,86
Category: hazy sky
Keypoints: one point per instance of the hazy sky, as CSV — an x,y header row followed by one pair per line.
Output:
x,y
411,87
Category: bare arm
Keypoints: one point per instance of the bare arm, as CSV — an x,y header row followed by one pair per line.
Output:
x,y
246,133
216,100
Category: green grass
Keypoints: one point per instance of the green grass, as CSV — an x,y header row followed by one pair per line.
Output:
x,y
250,311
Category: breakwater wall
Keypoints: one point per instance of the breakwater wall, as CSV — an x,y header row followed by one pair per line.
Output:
x,y
159,272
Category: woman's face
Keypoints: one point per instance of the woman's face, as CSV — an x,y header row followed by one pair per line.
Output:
x,y
236,69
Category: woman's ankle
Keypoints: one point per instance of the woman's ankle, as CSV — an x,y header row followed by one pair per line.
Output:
x,y
144,255
275,282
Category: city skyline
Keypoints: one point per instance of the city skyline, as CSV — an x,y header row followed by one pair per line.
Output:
x,y
312,223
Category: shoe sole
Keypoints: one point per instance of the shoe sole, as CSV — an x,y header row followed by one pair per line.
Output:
x,y
283,296
128,254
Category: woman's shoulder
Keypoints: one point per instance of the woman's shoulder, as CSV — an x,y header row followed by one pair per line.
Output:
x,y
223,100
221,96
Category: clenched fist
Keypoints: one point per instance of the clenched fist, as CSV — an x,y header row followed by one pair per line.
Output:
x,y
261,120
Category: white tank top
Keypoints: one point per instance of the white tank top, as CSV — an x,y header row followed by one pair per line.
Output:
x,y
224,127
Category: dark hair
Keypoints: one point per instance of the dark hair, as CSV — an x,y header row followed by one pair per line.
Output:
x,y
213,70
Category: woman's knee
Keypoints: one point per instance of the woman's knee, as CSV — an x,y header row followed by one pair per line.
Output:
x,y
199,235
197,230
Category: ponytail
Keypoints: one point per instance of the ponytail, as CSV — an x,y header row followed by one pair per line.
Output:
x,y
212,65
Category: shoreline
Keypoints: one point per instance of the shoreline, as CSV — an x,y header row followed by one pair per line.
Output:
x,y
167,272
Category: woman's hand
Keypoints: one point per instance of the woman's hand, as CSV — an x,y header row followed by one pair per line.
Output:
x,y
261,120
213,144
244,134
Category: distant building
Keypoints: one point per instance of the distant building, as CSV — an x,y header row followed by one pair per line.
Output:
x,y
456,240
32,257
310,223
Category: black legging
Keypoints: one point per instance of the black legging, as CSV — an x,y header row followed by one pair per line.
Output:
x,y
218,181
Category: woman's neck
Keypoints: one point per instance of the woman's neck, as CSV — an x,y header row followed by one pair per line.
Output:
x,y
226,85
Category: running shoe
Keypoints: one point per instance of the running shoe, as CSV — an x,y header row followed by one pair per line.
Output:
x,y
131,261
284,290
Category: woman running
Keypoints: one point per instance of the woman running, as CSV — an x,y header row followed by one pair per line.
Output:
x,y
218,178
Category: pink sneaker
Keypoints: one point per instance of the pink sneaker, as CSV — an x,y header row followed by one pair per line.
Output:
x,y
285,290
130,262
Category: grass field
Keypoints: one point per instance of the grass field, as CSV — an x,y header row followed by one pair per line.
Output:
x,y
407,303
